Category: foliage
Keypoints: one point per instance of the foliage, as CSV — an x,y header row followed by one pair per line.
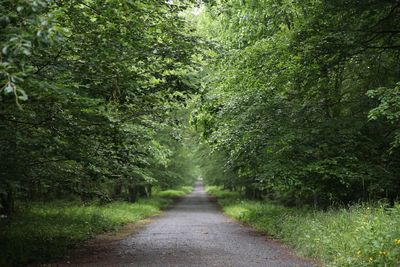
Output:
x,y
174,193
361,235
93,98
100,90
300,99
292,101
215,191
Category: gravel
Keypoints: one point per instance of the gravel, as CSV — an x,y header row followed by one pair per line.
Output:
x,y
193,232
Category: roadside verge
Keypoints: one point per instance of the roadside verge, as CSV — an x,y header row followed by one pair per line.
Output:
x,y
360,235
43,231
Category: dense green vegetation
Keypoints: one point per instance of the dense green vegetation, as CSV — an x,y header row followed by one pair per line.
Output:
x,y
175,193
295,102
363,235
300,113
41,231
92,109
92,99
301,99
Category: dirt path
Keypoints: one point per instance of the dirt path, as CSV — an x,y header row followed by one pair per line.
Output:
x,y
192,233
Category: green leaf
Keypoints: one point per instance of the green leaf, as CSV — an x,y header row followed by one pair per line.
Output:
x,y
8,89
23,96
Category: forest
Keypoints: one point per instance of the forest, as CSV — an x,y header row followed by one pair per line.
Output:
x,y
111,102
92,106
302,100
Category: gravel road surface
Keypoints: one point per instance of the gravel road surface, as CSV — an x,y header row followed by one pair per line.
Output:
x,y
193,232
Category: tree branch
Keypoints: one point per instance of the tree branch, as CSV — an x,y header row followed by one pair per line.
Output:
x,y
47,161
48,62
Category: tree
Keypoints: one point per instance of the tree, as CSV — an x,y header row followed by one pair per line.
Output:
x,y
94,83
287,103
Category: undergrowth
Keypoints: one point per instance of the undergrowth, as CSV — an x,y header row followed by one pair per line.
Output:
x,y
361,235
41,231
174,193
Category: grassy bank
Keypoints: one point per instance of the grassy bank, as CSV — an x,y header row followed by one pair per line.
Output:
x,y
362,235
40,231
174,193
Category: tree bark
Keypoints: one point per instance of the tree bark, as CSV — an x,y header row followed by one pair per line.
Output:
x,y
7,201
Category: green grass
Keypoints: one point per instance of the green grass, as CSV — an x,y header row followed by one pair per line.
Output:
x,y
218,193
362,235
41,231
174,193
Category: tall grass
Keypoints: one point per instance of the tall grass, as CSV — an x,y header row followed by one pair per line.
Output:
x,y
174,193
362,235
41,231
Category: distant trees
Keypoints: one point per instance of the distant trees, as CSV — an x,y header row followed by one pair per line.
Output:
x,y
88,93
302,99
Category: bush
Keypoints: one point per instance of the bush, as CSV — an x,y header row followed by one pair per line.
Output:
x,y
217,192
174,193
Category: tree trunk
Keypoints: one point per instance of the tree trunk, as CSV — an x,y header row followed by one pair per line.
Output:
x,y
248,192
7,201
141,191
117,190
315,199
149,188
132,194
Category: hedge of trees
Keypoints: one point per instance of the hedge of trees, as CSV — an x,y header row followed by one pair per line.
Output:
x,y
302,99
92,99
298,101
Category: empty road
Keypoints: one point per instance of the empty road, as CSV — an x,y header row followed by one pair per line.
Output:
x,y
193,232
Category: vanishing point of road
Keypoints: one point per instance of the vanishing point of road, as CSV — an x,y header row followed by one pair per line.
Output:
x,y
193,232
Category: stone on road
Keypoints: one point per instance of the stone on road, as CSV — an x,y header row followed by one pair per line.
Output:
x,y
194,232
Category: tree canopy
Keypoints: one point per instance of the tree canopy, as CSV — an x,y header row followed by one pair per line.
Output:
x,y
294,101
92,95
301,99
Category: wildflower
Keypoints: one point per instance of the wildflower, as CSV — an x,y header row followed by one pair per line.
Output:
x,y
383,253
359,253
397,241
370,259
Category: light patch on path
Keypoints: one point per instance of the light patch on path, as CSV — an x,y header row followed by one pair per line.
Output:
x,y
192,233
